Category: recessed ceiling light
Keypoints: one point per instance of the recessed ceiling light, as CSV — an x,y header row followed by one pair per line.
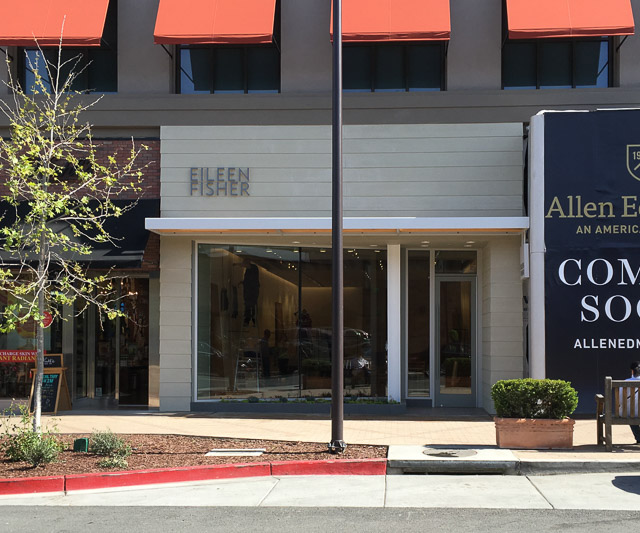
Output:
x,y
377,251
322,251
373,245
471,242
425,242
295,242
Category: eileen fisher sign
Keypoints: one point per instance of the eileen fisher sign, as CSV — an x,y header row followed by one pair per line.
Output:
x,y
592,252
219,181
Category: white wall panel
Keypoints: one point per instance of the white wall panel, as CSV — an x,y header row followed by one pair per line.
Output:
x,y
392,170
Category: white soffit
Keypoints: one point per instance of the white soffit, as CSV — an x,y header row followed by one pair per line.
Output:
x,y
393,225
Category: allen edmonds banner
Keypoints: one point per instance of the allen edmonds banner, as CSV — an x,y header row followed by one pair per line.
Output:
x,y
592,239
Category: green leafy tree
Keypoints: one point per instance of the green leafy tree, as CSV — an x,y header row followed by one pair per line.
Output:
x,y
58,193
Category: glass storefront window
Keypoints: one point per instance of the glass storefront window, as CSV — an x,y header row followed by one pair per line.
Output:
x,y
18,354
418,324
264,322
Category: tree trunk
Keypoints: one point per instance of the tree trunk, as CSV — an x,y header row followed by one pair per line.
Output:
x,y
37,390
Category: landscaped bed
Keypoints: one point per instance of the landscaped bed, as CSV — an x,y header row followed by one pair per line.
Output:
x,y
168,451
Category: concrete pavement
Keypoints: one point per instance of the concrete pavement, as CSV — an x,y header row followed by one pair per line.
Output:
x,y
573,491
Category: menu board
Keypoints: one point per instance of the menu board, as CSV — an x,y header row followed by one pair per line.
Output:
x,y
50,392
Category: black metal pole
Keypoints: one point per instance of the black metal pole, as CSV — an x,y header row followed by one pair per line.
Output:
x,y
337,444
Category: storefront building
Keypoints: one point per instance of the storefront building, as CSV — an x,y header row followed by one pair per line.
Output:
x,y
428,260
231,298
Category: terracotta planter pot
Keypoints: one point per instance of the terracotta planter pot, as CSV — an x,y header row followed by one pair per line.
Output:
x,y
534,434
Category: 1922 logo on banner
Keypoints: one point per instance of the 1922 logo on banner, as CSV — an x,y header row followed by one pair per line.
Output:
x,y
633,160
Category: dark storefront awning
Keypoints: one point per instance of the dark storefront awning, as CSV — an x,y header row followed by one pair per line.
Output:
x,y
528,19
25,22
394,20
128,232
215,22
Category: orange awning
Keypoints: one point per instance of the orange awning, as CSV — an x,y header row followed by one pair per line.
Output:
x,y
394,20
529,19
215,22
25,22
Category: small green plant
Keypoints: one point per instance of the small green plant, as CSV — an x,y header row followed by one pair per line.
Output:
x,y
21,443
534,398
108,444
115,461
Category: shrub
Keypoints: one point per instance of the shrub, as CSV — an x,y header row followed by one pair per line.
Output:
x,y
534,398
115,461
109,444
21,443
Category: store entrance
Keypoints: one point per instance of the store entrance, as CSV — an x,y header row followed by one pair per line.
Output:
x,y
111,359
455,359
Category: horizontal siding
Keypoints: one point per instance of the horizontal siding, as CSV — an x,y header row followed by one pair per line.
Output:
x,y
394,170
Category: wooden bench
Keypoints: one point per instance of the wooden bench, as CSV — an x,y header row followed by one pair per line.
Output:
x,y
618,406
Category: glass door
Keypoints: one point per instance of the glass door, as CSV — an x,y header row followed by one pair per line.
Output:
x,y
455,344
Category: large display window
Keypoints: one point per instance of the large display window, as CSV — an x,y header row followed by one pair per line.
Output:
x,y
264,322
18,354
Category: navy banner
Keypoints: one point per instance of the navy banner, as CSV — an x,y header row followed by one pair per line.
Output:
x,y
592,237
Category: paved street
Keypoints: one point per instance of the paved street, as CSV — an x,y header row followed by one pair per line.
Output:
x,y
620,491
311,520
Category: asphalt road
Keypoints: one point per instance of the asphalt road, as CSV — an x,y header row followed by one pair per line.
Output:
x,y
309,520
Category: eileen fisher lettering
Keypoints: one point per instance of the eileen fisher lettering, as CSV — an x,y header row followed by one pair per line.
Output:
x,y
604,344
220,181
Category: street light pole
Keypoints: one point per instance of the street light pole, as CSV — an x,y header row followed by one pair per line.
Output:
x,y
337,444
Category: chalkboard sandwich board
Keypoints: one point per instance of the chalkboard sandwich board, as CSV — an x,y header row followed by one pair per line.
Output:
x,y
55,391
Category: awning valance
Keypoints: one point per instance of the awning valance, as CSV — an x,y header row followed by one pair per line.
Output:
x,y
215,22
27,22
394,20
528,19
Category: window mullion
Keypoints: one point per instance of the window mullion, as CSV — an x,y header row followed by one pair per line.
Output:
x,y
245,69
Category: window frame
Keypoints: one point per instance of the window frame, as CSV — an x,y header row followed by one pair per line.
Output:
x,y
83,51
573,42
443,49
539,41
245,66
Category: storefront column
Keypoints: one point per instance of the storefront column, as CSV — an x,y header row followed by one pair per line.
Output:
x,y
394,337
536,244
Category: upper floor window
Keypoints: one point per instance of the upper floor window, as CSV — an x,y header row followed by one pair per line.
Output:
x,y
228,69
557,63
393,67
95,68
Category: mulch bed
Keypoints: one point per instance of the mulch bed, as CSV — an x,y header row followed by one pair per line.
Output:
x,y
168,451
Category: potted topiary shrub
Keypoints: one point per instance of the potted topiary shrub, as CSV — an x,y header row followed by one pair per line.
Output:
x,y
534,413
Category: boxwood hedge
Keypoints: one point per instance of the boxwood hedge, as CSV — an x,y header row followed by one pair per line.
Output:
x,y
534,398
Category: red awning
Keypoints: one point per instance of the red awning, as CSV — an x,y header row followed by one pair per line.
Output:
x,y
394,20
25,22
528,19
215,22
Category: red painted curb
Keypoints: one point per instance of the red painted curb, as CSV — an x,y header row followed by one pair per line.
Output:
x,y
31,485
165,475
353,467
345,467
